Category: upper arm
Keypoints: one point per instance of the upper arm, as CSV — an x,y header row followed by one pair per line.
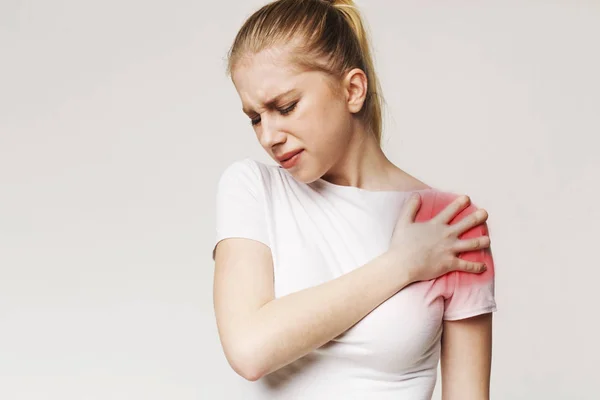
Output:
x,y
468,294
466,357
243,283
467,322
243,276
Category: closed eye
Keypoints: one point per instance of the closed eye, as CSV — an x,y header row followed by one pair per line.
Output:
x,y
285,111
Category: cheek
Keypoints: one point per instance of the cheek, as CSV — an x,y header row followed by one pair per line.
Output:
x,y
323,126
336,129
329,121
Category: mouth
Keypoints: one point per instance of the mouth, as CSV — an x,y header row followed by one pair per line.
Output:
x,y
291,161
288,155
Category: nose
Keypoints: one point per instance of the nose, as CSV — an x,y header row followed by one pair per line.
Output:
x,y
270,133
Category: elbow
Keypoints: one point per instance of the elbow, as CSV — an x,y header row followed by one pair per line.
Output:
x,y
248,371
245,363
252,377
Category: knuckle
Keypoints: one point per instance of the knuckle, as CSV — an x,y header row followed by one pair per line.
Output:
x,y
447,247
445,266
452,264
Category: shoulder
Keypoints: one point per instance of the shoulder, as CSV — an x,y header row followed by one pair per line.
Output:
x,y
240,168
442,199
239,178
434,200
252,174
243,171
249,165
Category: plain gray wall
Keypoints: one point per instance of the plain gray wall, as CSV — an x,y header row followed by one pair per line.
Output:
x,y
116,120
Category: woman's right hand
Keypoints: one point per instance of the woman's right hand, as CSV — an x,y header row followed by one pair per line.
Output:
x,y
429,249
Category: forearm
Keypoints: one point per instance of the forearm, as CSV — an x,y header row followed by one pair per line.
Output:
x,y
290,327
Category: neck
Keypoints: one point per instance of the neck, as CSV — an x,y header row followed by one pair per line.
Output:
x,y
363,165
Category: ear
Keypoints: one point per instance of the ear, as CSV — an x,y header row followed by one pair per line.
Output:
x,y
355,87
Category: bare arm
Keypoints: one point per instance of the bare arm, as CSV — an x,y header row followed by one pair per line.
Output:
x,y
466,358
260,334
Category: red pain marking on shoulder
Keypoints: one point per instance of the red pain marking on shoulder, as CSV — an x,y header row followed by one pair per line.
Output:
x,y
432,202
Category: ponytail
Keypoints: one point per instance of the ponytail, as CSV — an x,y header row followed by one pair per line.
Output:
x,y
330,30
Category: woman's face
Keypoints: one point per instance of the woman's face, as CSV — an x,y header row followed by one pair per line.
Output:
x,y
293,111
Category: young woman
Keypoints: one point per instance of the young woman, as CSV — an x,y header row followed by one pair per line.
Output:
x,y
332,280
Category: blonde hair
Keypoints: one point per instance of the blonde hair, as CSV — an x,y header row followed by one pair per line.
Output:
x,y
327,36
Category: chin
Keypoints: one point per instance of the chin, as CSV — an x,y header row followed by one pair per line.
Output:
x,y
303,175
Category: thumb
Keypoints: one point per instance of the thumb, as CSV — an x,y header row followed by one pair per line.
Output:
x,y
410,208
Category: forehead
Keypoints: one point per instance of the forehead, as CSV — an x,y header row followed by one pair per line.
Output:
x,y
262,76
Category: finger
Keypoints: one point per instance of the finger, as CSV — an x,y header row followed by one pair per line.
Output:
x,y
476,218
477,243
410,208
450,211
468,266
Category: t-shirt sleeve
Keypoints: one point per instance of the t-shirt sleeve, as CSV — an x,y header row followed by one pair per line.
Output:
x,y
470,294
240,204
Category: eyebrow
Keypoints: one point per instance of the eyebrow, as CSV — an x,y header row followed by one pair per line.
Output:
x,y
271,102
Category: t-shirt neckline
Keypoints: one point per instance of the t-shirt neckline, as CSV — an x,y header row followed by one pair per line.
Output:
x,y
353,189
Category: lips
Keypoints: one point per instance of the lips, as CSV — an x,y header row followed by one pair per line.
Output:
x,y
292,161
288,155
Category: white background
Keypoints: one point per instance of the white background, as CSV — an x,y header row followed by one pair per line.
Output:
x,y
117,118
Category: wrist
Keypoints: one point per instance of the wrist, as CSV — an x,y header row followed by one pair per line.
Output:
x,y
398,268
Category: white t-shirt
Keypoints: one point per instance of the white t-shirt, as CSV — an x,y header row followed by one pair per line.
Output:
x,y
320,231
